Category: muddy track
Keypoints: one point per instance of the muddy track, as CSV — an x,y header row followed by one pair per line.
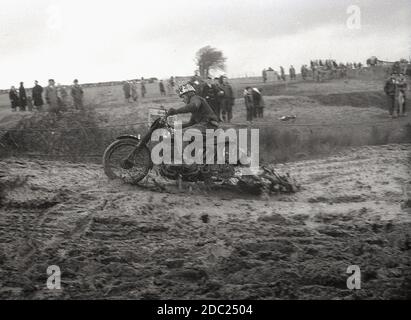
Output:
x,y
117,241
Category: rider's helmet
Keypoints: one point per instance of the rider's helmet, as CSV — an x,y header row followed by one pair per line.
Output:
x,y
185,88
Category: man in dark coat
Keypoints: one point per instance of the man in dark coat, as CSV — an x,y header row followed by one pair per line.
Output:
x,y
292,73
390,89
77,95
14,98
219,97
282,73
264,75
126,90
402,88
227,100
143,88
37,96
162,88
209,92
258,103
22,97
52,98
249,103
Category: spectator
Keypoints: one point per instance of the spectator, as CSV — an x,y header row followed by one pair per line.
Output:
x,y
134,93
143,88
219,97
126,90
77,94
264,76
52,97
162,88
304,72
210,92
402,87
170,85
396,68
258,102
14,98
22,97
37,94
62,95
172,82
282,73
197,83
390,89
292,73
249,103
227,100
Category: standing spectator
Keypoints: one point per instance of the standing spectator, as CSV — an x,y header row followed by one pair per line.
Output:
x,y
390,89
304,72
37,94
62,95
14,98
227,100
170,85
22,97
219,97
126,90
282,73
209,92
52,98
249,103
264,76
402,97
292,73
197,83
143,88
258,102
134,93
396,67
77,94
162,88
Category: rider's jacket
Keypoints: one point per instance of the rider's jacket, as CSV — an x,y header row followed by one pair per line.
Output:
x,y
200,110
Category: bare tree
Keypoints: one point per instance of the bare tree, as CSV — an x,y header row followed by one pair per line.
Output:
x,y
209,58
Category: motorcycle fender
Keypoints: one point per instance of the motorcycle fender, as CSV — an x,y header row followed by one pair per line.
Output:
x,y
129,136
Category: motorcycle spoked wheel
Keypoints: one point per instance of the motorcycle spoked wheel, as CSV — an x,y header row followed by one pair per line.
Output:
x,y
117,152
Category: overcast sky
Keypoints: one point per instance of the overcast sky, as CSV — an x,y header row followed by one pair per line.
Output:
x,y
115,40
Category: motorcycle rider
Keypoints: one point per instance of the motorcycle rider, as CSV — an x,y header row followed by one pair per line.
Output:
x,y
202,115
202,118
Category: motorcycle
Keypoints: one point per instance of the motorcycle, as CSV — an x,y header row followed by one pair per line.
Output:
x,y
129,158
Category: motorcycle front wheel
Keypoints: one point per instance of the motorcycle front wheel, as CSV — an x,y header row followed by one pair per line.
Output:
x,y
118,153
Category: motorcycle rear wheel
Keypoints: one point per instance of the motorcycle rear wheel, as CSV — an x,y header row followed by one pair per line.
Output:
x,y
117,152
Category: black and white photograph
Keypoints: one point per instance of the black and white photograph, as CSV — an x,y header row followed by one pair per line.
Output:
x,y
215,150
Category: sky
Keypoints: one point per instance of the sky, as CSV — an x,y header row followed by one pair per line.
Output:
x,y
126,39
